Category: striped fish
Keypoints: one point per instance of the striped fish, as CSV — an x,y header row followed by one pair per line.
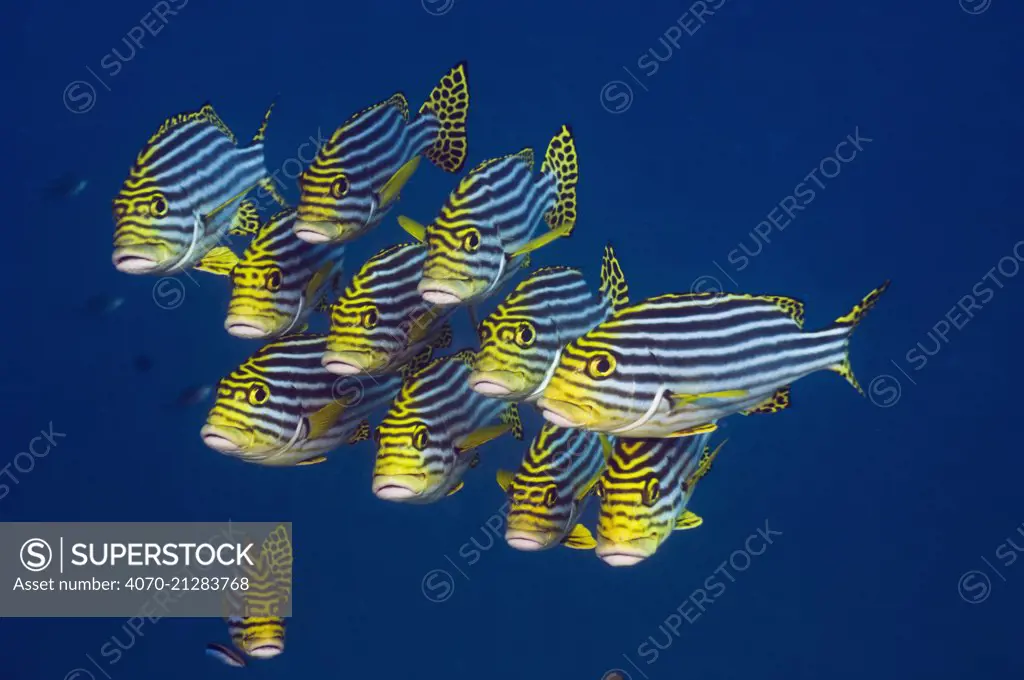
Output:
x,y
185,192
254,622
548,493
380,321
644,492
282,408
487,224
673,365
430,435
279,280
359,173
521,341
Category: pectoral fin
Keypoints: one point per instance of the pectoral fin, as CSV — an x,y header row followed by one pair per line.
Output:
x,y
413,228
482,436
580,538
321,421
505,479
688,520
318,280
679,399
691,431
312,461
220,261
542,240
393,187
457,488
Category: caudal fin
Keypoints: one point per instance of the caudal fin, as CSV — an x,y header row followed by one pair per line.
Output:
x,y
850,320
449,104
561,160
614,289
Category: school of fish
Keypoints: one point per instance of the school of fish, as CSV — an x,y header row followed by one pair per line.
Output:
x,y
632,391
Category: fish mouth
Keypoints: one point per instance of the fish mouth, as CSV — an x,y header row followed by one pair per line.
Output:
x,y
265,651
565,414
139,259
249,327
528,541
399,488
350,363
230,440
625,553
445,292
497,383
322,231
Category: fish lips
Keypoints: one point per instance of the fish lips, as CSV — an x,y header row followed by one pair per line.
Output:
x,y
565,414
530,541
352,363
251,327
446,292
312,230
141,259
400,488
229,440
625,553
500,384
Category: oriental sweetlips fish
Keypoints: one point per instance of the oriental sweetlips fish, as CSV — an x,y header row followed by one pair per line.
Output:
x,y
185,192
359,173
673,365
381,322
644,492
430,435
548,493
279,280
486,226
254,622
282,408
521,341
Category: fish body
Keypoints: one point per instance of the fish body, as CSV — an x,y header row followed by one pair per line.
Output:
x,y
549,491
278,281
358,174
281,407
521,340
673,365
644,492
487,225
428,438
254,623
380,321
184,192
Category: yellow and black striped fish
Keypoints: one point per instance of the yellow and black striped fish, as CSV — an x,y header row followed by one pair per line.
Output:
x,y
254,625
486,226
672,365
548,493
279,280
644,492
521,341
185,192
359,173
380,322
431,432
281,407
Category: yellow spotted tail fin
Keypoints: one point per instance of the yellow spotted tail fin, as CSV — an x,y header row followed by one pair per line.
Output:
x,y
850,320
614,289
561,160
449,104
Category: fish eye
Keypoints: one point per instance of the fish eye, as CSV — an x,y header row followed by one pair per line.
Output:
x,y
340,186
420,437
525,335
471,242
601,365
273,280
258,394
158,206
652,492
551,496
370,318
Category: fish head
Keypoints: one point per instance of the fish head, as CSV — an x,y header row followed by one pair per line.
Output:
x,y
517,351
414,460
260,637
368,331
334,204
154,227
463,262
590,388
643,490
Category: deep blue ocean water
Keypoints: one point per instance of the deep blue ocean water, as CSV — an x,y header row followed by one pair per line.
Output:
x,y
892,512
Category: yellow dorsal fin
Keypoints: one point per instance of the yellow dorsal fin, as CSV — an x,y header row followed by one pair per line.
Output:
x,y
580,538
361,433
413,228
321,421
220,261
773,404
688,520
312,461
247,220
614,289
504,478
525,156
791,307
389,193
541,241
691,431
457,488
481,436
